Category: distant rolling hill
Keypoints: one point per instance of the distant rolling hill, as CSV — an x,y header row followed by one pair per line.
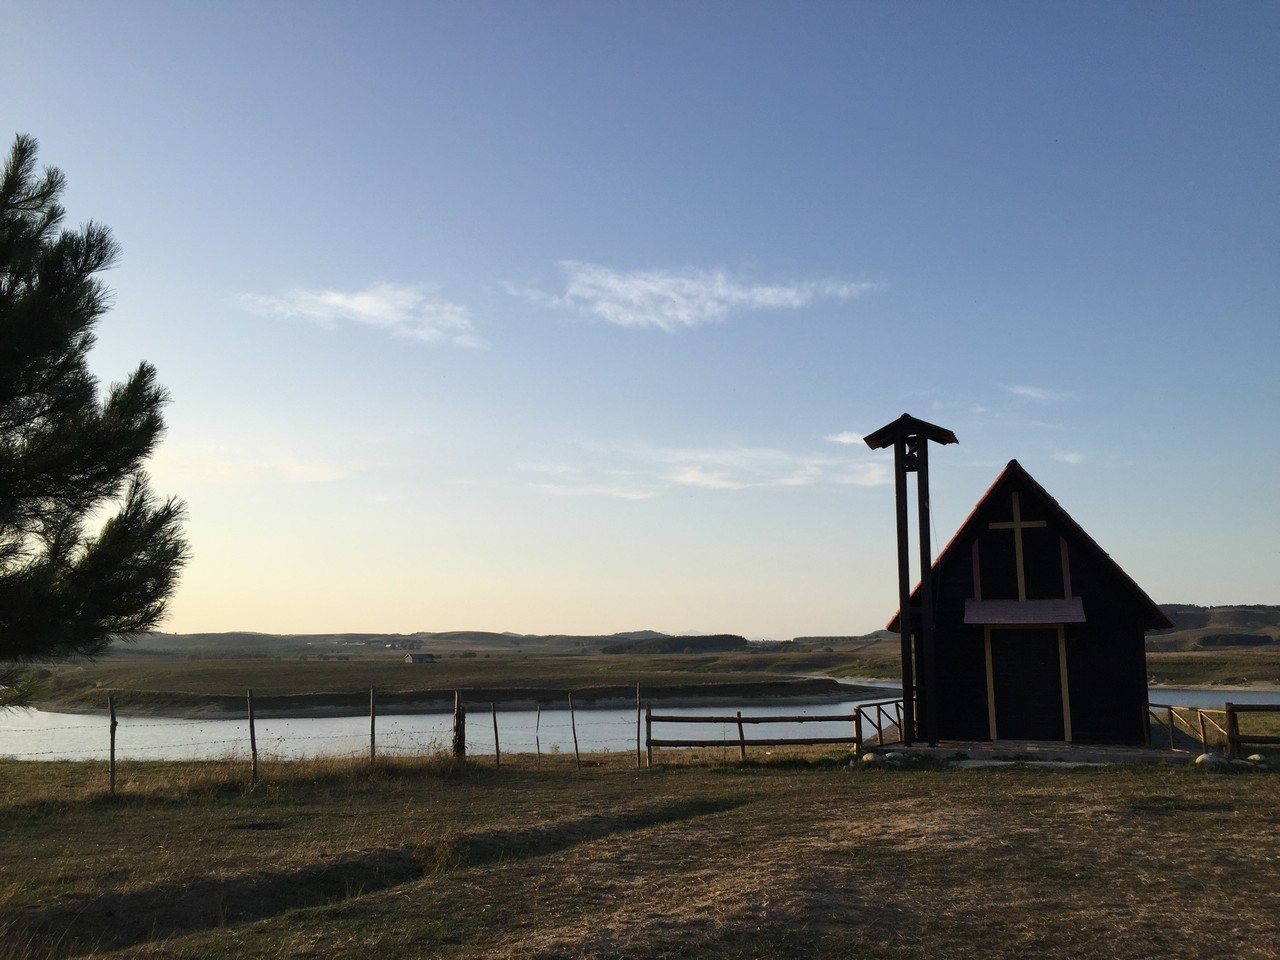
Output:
x,y
254,645
1210,628
1235,627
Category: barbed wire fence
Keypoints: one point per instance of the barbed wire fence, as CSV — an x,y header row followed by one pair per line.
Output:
x,y
555,730
282,738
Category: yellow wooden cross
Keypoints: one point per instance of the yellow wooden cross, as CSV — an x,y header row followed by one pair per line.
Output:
x,y
1017,525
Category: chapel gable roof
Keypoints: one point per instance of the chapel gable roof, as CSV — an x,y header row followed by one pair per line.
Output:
x,y
1015,477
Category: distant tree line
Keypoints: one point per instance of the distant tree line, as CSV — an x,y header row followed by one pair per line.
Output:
x,y
716,643
1235,640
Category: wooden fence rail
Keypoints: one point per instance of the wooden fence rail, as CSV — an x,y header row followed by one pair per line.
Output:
x,y
1202,725
874,723
1172,717
874,715
1235,739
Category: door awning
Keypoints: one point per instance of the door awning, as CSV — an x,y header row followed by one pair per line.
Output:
x,y
1023,612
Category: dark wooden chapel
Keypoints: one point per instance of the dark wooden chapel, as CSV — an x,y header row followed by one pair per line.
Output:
x,y
1037,634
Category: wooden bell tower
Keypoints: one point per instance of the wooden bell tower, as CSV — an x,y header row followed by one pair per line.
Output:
x,y
910,438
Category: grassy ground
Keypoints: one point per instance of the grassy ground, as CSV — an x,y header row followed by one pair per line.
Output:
x,y
421,858
1238,666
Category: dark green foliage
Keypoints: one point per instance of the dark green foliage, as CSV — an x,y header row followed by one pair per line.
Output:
x,y
1235,640
65,451
712,644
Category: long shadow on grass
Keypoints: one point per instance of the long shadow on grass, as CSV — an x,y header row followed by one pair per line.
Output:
x,y
115,920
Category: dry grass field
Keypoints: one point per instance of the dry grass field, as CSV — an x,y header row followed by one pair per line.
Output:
x,y
424,858
1244,667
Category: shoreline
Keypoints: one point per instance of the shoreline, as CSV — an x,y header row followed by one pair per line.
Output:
x,y
444,705
850,688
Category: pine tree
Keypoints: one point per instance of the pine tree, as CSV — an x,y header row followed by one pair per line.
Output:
x,y
66,452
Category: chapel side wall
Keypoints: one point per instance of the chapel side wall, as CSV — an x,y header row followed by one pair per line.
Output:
x,y
961,656
1106,669
962,690
1106,657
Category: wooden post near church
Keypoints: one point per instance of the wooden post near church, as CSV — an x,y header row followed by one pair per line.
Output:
x,y
253,741
904,588
1233,730
637,726
573,725
111,711
910,440
742,739
648,734
459,727
497,751
928,660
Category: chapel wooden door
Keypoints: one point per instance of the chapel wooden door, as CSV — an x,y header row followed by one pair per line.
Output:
x,y
1027,684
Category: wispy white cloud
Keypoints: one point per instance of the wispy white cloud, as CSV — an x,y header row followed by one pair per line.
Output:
x,y
672,299
695,476
1069,456
412,311
207,463
649,471
848,438
595,490
548,468
1038,394
737,468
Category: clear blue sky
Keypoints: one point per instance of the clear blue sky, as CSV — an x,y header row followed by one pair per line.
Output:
x,y
567,317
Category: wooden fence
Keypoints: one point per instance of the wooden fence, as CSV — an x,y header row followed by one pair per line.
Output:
x,y
458,738
1198,723
1204,727
1235,739
880,717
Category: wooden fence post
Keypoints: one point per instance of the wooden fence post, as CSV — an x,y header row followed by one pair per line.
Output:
x,y
573,725
373,723
1146,724
497,752
253,741
857,730
111,711
742,739
1173,744
1233,730
637,726
537,727
459,727
648,734
1204,741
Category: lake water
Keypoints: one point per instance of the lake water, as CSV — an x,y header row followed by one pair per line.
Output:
x,y
31,734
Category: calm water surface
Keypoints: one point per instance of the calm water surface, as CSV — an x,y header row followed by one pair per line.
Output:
x,y
40,735
31,734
